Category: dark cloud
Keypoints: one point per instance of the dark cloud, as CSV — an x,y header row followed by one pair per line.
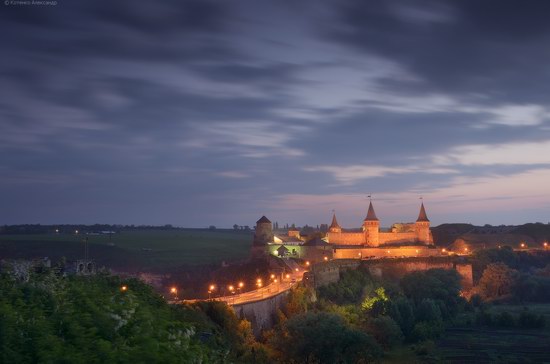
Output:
x,y
197,112
493,49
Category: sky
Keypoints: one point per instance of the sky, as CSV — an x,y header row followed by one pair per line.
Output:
x,y
198,113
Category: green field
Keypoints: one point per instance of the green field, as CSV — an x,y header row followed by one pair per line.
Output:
x,y
144,250
498,345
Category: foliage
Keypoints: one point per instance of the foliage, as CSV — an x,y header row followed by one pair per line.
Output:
x,y
91,320
497,281
325,338
350,288
386,331
379,295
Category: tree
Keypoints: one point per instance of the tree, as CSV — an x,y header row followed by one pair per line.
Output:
x,y
325,338
235,227
497,281
385,330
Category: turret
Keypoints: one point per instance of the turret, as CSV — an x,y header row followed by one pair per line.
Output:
x,y
371,227
264,232
422,224
334,227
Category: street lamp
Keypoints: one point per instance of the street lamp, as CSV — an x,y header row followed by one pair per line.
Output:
x,y
326,259
210,290
174,291
307,263
124,288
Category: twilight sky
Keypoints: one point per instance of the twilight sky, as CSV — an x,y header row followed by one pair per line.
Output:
x,y
203,112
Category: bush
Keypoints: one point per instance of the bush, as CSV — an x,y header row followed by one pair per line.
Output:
x,y
530,320
426,330
505,319
386,331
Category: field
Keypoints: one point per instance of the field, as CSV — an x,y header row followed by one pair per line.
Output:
x,y
493,345
143,250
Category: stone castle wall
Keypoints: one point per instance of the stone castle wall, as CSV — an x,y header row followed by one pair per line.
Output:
x,y
346,238
387,237
383,238
385,252
329,272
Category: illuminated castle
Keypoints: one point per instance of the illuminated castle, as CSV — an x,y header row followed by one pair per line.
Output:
x,y
371,236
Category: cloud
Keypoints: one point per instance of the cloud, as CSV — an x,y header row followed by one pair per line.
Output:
x,y
247,139
354,173
521,153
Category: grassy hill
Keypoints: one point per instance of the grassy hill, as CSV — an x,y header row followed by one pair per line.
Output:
x,y
490,236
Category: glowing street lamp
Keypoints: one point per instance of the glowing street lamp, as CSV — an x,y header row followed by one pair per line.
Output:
x,y
307,263
210,290
326,259
296,269
287,276
465,250
545,244
522,245
76,232
272,276
124,288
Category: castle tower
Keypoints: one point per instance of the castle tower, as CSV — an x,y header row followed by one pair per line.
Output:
x,y
422,225
264,232
371,227
334,227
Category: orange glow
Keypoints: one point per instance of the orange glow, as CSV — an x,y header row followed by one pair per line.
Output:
x,y
241,284
273,276
212,287
259,280
325,258
296,269
545,244
388,252
465,249
288,275
124,288
443,250
173,290
307,263
275,281
231,288
522,245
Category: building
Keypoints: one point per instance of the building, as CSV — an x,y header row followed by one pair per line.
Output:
x,y
371,235
401,240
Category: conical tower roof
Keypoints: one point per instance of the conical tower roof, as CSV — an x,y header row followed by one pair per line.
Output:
x,y
422,215
371,215
334,223
263,219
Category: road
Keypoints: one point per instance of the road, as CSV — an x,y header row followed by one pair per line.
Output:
x,y
267,291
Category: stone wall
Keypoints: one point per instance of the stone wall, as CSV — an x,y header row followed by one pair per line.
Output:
x,y
346,238
390,252
385,237
329,272
261,313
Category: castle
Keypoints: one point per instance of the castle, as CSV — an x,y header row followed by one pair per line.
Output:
x,y
371,236
402,239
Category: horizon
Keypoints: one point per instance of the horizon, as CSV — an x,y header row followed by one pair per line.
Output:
x,y
198,113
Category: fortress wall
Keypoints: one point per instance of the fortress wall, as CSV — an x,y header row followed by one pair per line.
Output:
x,y
398,269
388,237
261,313
346,238
407,251
329,272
